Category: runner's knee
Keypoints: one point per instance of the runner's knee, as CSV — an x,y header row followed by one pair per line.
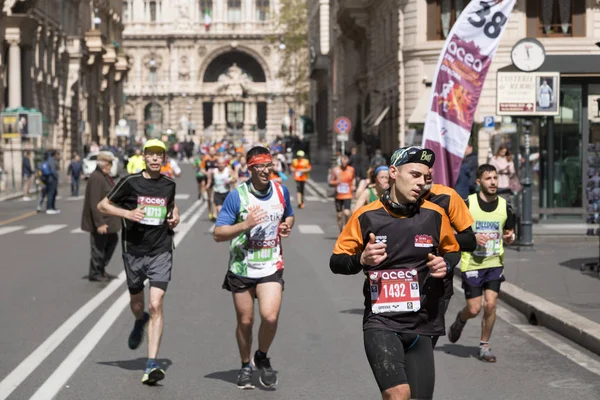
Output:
x,y
474,309
489,307
400,392
155,306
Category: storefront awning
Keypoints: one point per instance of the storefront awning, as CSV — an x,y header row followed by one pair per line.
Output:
x,y
567,65
419,114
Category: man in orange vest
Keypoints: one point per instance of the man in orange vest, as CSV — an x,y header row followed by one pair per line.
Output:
x,y
300,167
343,178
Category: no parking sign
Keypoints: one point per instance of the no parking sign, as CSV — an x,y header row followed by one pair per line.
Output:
x,y
342,127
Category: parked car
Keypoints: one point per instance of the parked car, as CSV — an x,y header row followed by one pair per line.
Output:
x,y
89,164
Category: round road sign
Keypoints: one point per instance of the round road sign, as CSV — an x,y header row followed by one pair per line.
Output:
x,y
342,126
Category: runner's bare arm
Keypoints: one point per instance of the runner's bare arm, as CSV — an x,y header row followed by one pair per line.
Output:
x,y
225,233
106,207
361,201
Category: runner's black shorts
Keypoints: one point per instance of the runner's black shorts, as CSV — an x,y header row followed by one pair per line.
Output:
x,y
300,186
399,359
341,205
219,198
238,284
474,283
201,179
157,269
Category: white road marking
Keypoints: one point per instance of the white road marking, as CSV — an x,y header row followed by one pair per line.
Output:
x,y
42,230
310,190
182,196
77,230
28,365
10,229
75,198
310,229
211,229
561,347
67,368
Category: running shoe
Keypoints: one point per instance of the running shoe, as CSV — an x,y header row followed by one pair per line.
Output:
x,y
456,329
153,375
244,380
485,354
268,377
135,338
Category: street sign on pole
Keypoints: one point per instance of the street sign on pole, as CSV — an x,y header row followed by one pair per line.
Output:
x,y
488,122
342,127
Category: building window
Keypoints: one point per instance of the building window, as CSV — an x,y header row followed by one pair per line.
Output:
x,y
441,15
125,11
556,18
262,10
152,11
206,7
234,10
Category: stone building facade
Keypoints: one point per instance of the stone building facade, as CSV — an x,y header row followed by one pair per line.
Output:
x,y
205,69
65,59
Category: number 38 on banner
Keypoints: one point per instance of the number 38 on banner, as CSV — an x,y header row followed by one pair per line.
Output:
x,y
491,28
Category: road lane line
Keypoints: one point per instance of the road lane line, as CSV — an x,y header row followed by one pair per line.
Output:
x,y
18,218
46,229
67,368
70,364
77,230
562,347
75,198
310,229
182,196
28,365
10,229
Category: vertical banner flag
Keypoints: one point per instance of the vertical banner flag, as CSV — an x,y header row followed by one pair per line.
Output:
x,y
460,74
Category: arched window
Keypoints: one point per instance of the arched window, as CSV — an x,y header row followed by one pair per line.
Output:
x,y
262,10
153,11
153,117
234,10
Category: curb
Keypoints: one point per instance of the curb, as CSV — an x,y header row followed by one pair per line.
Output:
x,y
539,311
13,196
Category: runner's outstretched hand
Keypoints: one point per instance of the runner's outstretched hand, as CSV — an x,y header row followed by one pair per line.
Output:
x,y
437,266
138,214
374,253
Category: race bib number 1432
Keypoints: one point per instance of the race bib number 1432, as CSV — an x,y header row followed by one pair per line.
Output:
x,y
394,290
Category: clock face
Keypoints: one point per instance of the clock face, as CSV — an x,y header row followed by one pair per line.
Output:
x,y
528,55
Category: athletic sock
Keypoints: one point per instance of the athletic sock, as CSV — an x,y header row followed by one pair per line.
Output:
x,y
246,365
260,355
151,363
486,344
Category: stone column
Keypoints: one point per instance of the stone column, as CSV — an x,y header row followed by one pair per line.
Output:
x,y
13,37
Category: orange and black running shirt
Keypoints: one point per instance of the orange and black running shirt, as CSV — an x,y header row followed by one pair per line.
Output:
x,y
409,242
455,207
209,163
343,180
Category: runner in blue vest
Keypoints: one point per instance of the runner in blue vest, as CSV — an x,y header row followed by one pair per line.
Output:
x,y
482,270
254,217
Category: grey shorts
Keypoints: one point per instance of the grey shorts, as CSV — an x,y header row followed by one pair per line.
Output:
x,y
157,269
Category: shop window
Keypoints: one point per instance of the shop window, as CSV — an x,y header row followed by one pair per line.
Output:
x,y
441,15
234,10
262,10
556,18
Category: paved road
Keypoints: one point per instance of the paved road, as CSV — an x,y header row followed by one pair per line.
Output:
x,y
318,350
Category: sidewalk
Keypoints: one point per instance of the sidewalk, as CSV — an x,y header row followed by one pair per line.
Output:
x,y
547,284
63,183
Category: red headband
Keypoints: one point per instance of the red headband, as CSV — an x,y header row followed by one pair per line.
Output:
x,y
259,159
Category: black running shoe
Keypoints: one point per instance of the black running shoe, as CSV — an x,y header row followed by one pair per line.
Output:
x,y
244,380
153,375
456,329
268,377
137,334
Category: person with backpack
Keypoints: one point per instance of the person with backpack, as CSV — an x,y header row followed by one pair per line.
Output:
x,y
74,172
42,180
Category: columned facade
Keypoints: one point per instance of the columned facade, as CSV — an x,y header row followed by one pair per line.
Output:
x,y
204,77
65,59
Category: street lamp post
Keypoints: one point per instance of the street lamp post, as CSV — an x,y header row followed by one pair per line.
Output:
x,y
526,242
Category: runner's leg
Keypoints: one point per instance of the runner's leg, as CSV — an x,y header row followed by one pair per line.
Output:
x,y
489,314
155,327
244,310
136,303
269,304
472,309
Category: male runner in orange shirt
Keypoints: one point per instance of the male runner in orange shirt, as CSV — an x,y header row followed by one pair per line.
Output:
x,y
300,167
343,178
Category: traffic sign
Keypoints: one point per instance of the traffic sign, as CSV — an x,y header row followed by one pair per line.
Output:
x,y
342,126
488,122
342,137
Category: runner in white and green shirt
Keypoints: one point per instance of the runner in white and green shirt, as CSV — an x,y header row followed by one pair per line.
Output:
x,y
255,216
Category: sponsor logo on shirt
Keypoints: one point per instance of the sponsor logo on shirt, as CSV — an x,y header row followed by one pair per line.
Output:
x,y
487,226
381,239
387,275
423,241
152,201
